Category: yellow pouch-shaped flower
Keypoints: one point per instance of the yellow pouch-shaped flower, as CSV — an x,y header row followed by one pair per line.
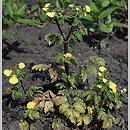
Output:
x,y
7,72
50,14
21,65
47,5
87,8
30,105
90,111
13,80
99,74
68,55
45,9
102,69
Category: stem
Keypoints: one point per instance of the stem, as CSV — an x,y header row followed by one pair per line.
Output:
x,y
66,49
23,87
66,40
58,25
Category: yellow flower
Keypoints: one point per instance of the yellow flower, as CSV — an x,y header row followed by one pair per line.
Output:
x,y
68,55
114,90
77,9
90,111
87,8
13,80
45,9
99,86
104,80
113,87
47,5
7,72
102,69
123,91
84,14
50,14
21,65
30,105
99,74
71,5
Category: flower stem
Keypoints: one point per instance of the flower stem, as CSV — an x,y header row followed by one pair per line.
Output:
x,y
66,40
23,87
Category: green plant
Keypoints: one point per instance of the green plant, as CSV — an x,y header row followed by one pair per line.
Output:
x,y
14,12
76,102
101,18
16,75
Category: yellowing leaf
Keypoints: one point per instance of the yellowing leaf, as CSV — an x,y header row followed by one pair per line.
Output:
x,y
79,121
23,125
76,113
86,119
79,107
107,124
8,91
40,67
53,74
48,106
72,119
61,100
68,112
63,107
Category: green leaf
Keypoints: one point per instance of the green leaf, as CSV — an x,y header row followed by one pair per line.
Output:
x,y
105,3
34,7
111,105
21,10
93,6
23,125
9,8
107,12
89,97
63,107
60,100
97,60
107,124
97,99
83,75
92,69
88,17
118,104
40,67
16,94
54,38
103,43
32,126
106,28
15,8
6,36
122,25
28,21
58,3
56,125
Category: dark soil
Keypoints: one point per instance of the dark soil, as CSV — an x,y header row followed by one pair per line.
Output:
x,y
29,47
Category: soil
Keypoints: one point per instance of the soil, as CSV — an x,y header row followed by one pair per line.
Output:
x,y
29,47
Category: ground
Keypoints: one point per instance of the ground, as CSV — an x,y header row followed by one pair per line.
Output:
x,y
28,46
